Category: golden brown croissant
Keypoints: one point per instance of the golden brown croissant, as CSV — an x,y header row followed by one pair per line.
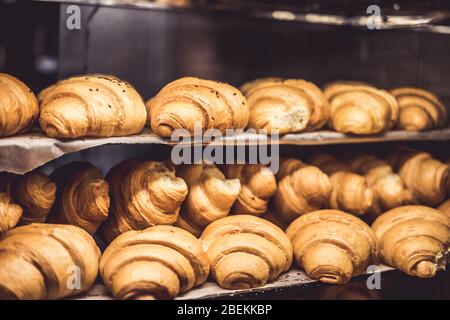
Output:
x,y
290,105
359,108
350,191
414,239
10,213
188,101
91,106
258,184
34,192
18,106
143,194
210,196
246,251
388,188
82,197
420,110
445,207
46,261
421,173
332,246
156,263
301,188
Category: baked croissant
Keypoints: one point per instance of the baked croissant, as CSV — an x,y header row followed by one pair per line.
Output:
x,y
332,246
359,108
350,191
91,106
246,251
210,196
18,106
445,207
414,239
82,197
258,184
289,106
156,263
189,101
301,188
420,110
421,173
34,192
10,213
47,261
143,194
388,188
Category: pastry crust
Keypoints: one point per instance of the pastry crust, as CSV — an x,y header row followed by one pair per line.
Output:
x,y
246,251
190,101
359,108
156,263
91,106
18,106
414,239
83,196
47,261
420,110
332,246
143,194
10,213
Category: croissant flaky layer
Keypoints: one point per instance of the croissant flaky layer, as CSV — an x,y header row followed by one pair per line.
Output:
x,y
34,192
189,102
143,194
10,213
359,108
156,263
285,105
419,109
46,261
246,251
92,105
424,175
18,106
258,184
210,196
332,246
83,196
301,188
414,239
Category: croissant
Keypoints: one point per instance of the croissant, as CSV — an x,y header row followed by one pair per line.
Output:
x,y
301,188
143,194
34,192
187,102
289,106
246,251
445,207
359,108
350,191
210,196
420,110
425,176
46,261
18,106
156,263
258,184
10,213
332,246
82,197
414,239
388,188
91,106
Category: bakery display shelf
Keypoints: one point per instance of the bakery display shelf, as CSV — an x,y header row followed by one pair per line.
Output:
x,y
294,280
44,149
353,14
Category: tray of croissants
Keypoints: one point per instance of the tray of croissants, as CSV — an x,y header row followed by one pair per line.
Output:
x,y
86,111
155,230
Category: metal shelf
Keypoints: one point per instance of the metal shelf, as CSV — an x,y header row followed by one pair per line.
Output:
x,y
34,149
